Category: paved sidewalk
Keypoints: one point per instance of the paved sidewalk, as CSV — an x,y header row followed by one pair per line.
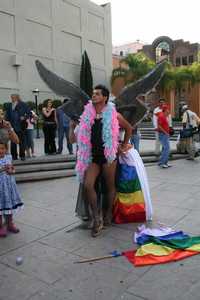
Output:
x,y
51,240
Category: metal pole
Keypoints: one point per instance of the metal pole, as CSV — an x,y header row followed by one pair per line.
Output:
x,y
37,124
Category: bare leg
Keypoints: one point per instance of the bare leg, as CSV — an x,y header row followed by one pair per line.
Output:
x,y
89,186
91,195
109,171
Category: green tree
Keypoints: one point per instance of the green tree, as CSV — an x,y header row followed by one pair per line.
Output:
x,y
138,66
180,77
86,79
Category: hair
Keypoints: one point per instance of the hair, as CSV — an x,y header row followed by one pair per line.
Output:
x,y
4,143
16,95
105,92
66,100
47,101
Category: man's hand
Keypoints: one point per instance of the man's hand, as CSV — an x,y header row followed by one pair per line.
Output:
x,y
123,148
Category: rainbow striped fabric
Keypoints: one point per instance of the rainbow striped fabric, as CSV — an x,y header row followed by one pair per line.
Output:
x,y
156,250
129,205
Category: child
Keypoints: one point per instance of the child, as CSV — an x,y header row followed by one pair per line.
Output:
x,y
29,134
10,201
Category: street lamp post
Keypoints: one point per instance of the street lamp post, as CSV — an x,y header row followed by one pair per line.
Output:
x,y
36,94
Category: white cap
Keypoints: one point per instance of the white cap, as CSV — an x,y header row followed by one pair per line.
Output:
x,y
185,107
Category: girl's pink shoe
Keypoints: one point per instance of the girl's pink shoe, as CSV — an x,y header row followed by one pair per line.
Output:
x,y
12,228
3,232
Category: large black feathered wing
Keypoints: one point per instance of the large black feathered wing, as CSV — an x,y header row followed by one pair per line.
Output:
x,y
127,102
77,97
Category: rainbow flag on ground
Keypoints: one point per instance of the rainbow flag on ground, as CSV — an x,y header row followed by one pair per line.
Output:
x,y
162,249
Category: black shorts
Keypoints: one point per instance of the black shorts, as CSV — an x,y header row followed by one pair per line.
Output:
x,y
99,159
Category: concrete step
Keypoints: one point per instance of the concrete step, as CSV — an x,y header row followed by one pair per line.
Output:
x,y
44,167
150,124
149,137
46,159
38,172
47,175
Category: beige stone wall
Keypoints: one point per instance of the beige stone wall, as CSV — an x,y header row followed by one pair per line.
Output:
x,y
56,32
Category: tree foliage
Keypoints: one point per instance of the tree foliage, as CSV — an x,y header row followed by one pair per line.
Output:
x,y
138,65
180,77
86,79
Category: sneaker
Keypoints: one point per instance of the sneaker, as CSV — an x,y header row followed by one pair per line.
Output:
x,y
169,166
3,232
12,228
164,166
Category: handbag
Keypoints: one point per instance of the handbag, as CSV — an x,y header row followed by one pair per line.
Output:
x,y
186,133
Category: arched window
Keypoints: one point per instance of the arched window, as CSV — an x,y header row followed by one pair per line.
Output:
x,y
162,51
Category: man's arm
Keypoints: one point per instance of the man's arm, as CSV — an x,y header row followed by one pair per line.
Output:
x,y
184,120
127,128
155,121
72,135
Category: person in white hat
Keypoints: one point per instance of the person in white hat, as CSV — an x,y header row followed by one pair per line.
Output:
x,y
190,120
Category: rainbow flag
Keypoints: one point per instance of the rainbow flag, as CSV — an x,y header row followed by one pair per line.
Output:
x,y
157,250
129,205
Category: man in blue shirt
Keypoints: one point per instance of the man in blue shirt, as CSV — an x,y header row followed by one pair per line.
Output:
x,y
17,113
63,129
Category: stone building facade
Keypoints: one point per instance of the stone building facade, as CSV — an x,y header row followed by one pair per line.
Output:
x,y
178,52
56,32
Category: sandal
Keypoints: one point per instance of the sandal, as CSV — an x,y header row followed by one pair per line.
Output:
x,y
96,229
107,222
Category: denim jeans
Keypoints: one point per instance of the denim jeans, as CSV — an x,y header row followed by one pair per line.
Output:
x,y
64,131
135,140
164,140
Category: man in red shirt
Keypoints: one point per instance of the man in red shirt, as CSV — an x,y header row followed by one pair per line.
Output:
x,y
163,131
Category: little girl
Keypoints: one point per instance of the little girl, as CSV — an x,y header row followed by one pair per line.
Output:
x,y
10,201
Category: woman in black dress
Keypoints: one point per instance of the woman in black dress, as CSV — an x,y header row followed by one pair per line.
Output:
x,y
49,127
